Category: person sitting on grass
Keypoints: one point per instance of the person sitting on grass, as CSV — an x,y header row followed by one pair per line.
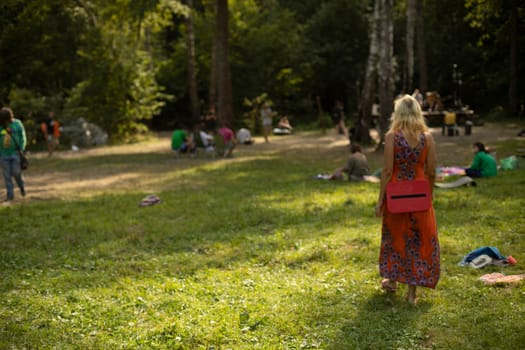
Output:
x,y
244,136
203,139
181,141
483,164
228,138
283,127
357,166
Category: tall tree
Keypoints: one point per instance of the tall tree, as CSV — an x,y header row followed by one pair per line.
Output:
x,y
410,33
192,69
212,97
385,72
513,61
224,83
497,22
362,125
420,46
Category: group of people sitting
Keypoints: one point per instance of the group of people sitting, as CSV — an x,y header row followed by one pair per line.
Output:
x,y
204,138
357,169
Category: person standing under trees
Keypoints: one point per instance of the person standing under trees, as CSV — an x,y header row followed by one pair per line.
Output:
x,y
409,241
338,118
418,96
12,140
51,131
266,120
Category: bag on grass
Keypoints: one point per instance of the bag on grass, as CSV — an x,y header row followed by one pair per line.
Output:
x,y
510,163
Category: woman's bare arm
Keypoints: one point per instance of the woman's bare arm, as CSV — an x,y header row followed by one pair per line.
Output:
x,y
430,165
386,172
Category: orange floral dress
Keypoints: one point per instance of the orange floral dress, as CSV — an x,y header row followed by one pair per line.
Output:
x,y
409,241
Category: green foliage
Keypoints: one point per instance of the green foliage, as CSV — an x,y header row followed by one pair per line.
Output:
x,y
267,53
325,121
337,45
121,92
90,53
32,108
115,62
38,42
252,117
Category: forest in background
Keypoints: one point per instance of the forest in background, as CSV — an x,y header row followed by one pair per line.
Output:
x,y
133,65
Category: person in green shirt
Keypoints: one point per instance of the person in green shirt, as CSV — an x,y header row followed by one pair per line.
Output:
x,y
12,140
181,141
483,164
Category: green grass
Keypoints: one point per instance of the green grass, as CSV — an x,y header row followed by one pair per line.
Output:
x,y
246,254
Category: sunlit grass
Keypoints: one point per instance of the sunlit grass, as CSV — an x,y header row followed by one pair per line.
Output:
x,y
248,253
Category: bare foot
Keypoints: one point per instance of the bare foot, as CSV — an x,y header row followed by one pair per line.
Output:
x,y
411,295
389,285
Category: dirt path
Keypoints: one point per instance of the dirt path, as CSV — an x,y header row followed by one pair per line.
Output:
x,y
69,174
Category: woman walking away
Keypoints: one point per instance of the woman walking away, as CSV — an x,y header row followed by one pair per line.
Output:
x,y
409,241
12,140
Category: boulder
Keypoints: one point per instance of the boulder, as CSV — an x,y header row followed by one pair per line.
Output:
x,y
84,134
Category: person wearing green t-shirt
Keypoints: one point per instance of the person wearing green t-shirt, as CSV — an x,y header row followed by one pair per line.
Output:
x,y
483,164
181,141
12,140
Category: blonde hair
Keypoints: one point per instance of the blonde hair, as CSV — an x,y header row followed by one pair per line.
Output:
x,y
408,118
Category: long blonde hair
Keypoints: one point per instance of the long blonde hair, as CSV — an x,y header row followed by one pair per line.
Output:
x,y
408,118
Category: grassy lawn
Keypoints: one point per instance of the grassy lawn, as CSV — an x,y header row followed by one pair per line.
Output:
x,y
245,253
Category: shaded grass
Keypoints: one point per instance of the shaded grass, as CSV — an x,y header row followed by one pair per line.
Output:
x,y
246,254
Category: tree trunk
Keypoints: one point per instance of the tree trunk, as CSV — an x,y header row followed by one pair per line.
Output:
x,y
212,98
513,79
224,84
192,73
421,49
411,26
386,51
362,125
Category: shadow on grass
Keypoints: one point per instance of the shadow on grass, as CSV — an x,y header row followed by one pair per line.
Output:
x,y
222,216
382,322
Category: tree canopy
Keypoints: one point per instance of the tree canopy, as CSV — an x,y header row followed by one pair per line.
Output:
x,y
124,64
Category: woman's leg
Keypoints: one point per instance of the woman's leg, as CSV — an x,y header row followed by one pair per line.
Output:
x,y
16,171
411,295
266,131
343,128
7,172
472,172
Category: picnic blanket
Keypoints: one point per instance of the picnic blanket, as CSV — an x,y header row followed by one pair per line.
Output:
x,y
499,278
450,170
462,181
366,178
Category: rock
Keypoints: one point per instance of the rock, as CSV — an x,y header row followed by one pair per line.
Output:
x,y
83,134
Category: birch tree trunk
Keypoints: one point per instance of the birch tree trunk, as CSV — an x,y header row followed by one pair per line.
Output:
x,y
224,84
513,79
362,125
411,27
421,49
386,51
192,73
